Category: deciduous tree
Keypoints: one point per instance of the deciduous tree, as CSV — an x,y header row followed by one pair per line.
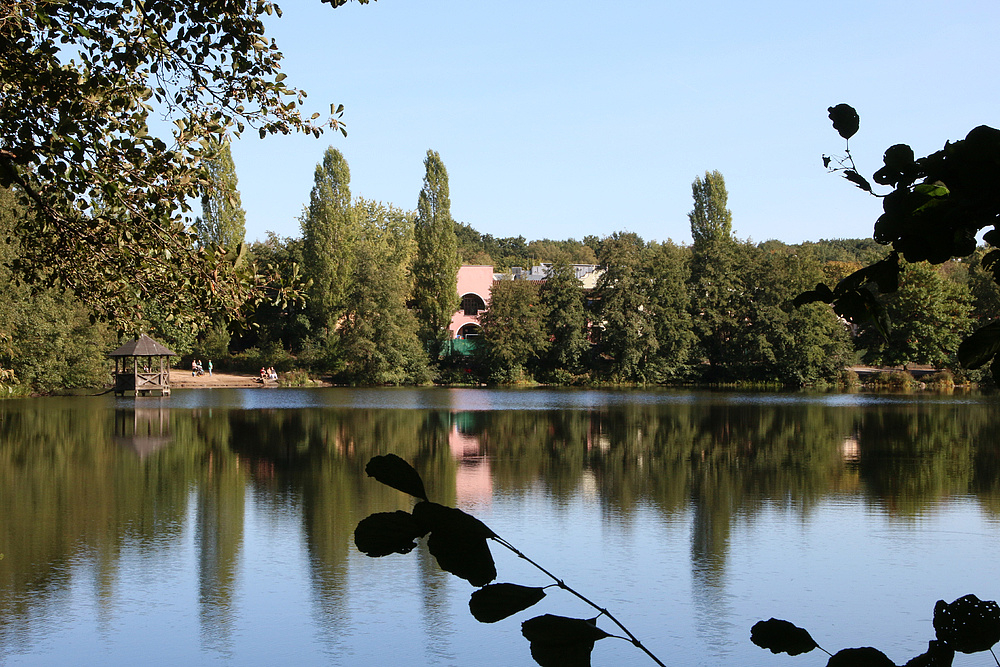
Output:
x,y
714,282
435,269
565,322
513,331
379,334
627,337
80,82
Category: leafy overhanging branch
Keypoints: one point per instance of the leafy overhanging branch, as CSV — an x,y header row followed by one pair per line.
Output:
x,y
105,202
967,625
937,207
459,543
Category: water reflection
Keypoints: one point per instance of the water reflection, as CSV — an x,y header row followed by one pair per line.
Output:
x,y
82,484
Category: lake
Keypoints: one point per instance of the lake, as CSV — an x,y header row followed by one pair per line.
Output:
x,y
215,527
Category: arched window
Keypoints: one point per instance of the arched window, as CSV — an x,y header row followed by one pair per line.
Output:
x,y
472,304
469,330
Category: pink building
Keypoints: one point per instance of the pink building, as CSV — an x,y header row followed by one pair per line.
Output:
x,y
474,284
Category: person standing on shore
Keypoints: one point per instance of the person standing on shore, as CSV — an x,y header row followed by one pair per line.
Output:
x,y
210,367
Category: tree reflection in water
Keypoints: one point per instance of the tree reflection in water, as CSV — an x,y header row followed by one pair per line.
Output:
x,y
75,493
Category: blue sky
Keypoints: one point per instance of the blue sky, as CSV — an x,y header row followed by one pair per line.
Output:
x,y
560,119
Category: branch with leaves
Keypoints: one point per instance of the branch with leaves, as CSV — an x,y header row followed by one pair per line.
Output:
x,y
459,543
97,190
937,207
967,625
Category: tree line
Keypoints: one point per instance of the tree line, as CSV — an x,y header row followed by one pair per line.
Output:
x,y
377,289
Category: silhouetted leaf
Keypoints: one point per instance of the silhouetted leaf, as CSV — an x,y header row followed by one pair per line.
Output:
x,y
821,293
968,624
981,346
781,637
558,641
498,601
861,306
993,237
387,533
885,273
458,542
865,656
858,180
845,120
397,473
439,518
938,654
464,555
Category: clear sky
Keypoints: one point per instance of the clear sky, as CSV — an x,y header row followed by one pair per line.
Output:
x,y
560,119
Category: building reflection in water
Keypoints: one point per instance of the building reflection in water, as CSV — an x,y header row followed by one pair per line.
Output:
x,y
473,477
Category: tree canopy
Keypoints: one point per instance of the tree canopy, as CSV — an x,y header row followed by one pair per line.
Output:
x,y
96,187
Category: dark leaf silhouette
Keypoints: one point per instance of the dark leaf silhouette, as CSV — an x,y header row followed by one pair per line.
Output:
x,y
464,555
860,657
938,654
968,624
397,473
781,637
981,346
458,542
821,293
498,601
845,120
858,180
558,641
387,533
439,518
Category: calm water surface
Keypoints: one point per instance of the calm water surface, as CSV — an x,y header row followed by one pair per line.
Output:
x,y
215,527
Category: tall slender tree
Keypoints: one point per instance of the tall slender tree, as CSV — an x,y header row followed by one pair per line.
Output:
x,y
329,233
714,284
435,269
223,220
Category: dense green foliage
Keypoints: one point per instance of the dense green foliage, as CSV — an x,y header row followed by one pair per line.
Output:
x,y
436,265
513,332
330,231
96,188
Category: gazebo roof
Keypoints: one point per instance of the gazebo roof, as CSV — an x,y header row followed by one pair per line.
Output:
x,y
144,347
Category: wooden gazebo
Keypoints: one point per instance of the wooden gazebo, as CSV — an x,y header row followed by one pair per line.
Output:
x,y
142,368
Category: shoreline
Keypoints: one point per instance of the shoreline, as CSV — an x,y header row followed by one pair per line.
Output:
x,y
182,379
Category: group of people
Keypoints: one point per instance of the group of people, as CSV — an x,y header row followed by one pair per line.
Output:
x,y
198,369
268,374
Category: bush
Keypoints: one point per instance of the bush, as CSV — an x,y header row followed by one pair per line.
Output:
x,y
253,359
295,378
893,380
940,380
848,377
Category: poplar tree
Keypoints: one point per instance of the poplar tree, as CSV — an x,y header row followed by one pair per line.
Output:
x,y
329,234
435,269
713,284
223,220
